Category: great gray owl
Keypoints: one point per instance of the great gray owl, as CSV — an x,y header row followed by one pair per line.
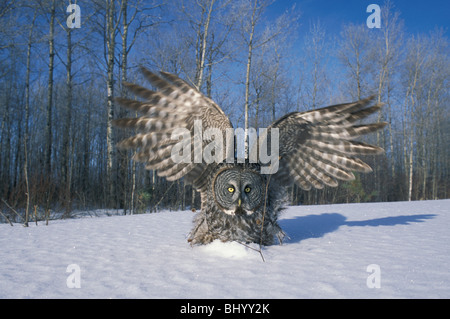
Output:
x,y
238,201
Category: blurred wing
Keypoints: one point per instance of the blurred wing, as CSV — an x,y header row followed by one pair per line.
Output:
x,y
317,147
176,105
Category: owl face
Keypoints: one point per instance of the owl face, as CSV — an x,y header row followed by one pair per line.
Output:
x,y
238,191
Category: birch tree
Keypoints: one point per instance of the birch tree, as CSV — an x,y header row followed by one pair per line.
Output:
x,y
51,59
111,30
27,112
254,39
65,158
138,13
416,54
356,54
211,22
316,52
389,41
430,103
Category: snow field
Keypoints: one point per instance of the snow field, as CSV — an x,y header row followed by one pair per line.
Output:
x,y
147,256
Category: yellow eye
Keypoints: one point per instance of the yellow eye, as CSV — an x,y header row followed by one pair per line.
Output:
x,y
231,189
247,189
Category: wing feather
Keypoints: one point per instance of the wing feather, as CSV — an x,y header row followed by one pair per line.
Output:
x,y
174,105
317,147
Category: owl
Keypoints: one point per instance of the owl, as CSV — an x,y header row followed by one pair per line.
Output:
x,y
181,134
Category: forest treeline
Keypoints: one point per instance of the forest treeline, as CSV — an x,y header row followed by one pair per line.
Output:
x,y
61,68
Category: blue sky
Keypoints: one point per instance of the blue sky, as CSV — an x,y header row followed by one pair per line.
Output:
x,y
420,16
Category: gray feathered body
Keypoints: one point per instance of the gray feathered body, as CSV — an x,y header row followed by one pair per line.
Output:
x,y
316,149
261,226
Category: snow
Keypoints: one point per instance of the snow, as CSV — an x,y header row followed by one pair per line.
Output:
x,y
334,251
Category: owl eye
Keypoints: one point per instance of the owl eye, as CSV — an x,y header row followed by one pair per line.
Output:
x,y
247,189
231,189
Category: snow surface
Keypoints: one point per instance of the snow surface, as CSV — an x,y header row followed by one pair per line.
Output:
x,y
147,256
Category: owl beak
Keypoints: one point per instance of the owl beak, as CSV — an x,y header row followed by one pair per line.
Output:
x,y
239,202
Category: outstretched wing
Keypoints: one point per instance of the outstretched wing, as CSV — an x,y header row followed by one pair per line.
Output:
x,y
317,147
176,105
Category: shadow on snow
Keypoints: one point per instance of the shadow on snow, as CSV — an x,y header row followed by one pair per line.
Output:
x,y
315,226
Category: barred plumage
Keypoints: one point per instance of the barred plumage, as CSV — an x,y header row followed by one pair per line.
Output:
x,y
316,149
321,148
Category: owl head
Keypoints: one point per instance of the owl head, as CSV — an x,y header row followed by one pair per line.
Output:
x,y
238,190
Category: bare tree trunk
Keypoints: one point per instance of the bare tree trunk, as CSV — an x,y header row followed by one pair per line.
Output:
x,y
85,178
111,43
391,135
274,83
27,117
125,191
419,59
201,45
122,155
247,74
437,143
133,186
204,43
25,171
356,53
410,176
409,155
48,129
65,169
